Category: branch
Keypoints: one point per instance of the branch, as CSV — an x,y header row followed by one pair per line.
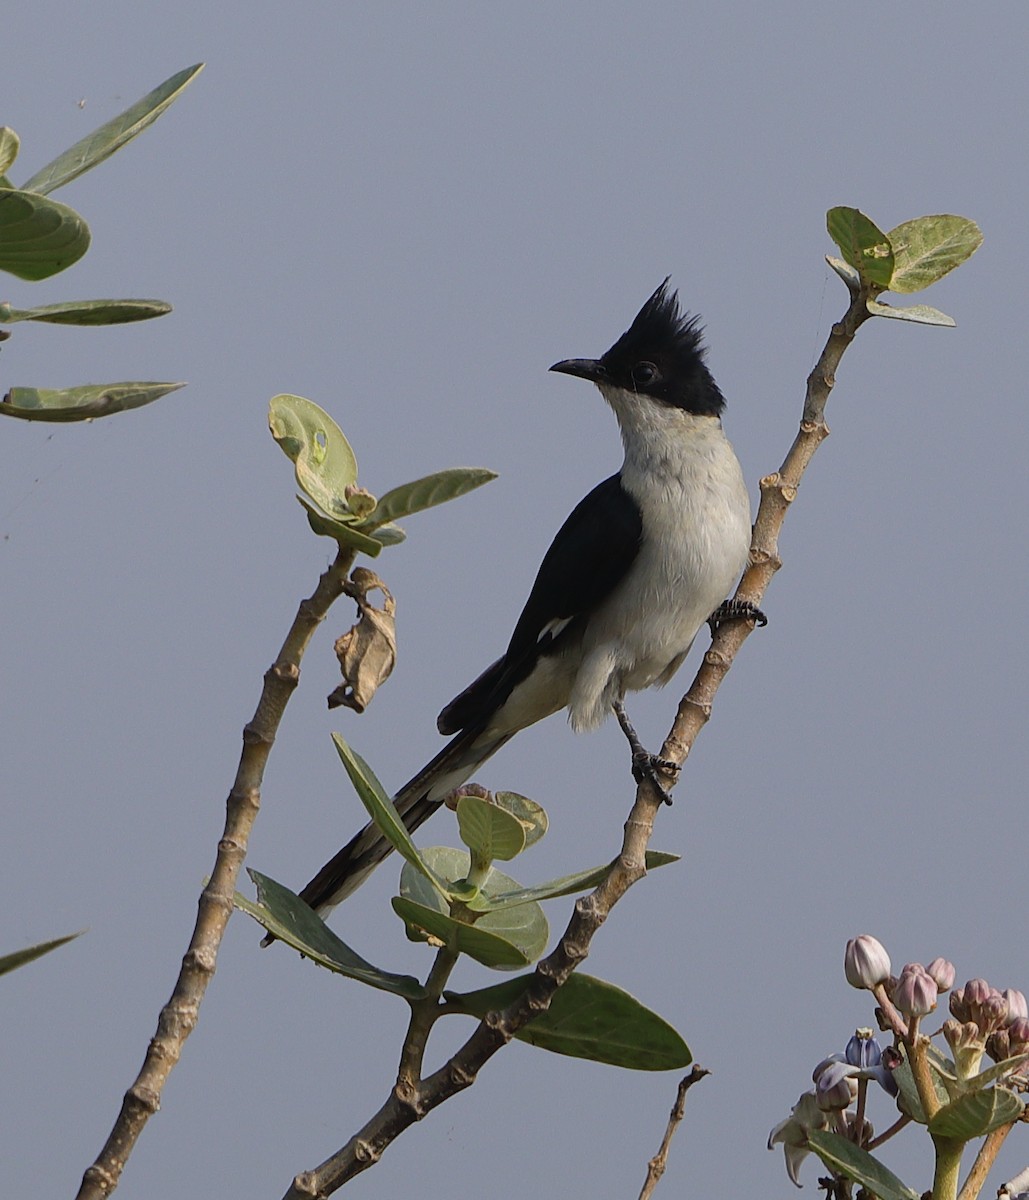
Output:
x,y
778,491
179,1016
656,1166
408,1104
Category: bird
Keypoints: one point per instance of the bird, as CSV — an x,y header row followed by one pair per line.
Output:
x,y
641,564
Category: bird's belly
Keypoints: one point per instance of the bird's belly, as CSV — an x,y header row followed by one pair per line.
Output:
x,y
644,630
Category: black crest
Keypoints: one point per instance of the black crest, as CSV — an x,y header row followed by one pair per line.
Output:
x,y
661,354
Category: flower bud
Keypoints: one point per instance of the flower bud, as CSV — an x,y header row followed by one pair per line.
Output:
x,y
958,1007
1018,1031
998,1045
916,992
976,991
943,972
1016,1002
993,1013
966,1046
866,963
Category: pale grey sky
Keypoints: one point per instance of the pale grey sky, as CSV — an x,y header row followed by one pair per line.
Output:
x,y
407,213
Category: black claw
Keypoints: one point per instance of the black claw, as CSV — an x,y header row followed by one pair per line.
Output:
x,y
736,610
645,766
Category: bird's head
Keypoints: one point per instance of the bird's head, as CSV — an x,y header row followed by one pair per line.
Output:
x,y
660,356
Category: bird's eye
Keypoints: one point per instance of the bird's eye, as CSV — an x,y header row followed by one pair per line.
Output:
x,y
644,372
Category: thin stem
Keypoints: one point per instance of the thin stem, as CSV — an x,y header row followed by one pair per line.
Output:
x,y
424,1014
984,1161
885,1136
656,1166
179,1016
859,1117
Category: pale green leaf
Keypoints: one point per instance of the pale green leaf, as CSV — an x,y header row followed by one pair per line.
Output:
x,y
909,1101
525,928
297,924
486,948
9,143
324,462
588,1018
345,533
842,1156
425,493
928,248
488,831
9,962
862,244
567,885
87,312
997,1071
922,314
111,136
81,403
382,811
531,815
388,534
39,237
976,1113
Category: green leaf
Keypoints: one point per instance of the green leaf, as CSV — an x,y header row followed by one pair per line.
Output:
x,y
81,403
567,885
9,962
486,948
381,810
298,925
488,831
928,248
976,1113
426,493
345,534
323,459
843,1157
524,930
39,237
388,534
862,243
87,312
909,1101
532,816
997,1071
922,314
9,143
588,1018
103,142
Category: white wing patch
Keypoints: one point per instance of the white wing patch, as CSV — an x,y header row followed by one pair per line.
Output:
x,y
553,628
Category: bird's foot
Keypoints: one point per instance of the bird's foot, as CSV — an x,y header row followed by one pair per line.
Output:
x,y
736,610
646,766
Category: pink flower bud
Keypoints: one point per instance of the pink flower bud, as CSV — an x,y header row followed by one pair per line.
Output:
x,y
943,972
916,992
1016,1002
866,963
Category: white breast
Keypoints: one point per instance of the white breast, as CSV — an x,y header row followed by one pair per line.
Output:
x,y
683,474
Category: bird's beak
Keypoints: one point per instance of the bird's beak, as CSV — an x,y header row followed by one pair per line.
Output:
x,y
585,368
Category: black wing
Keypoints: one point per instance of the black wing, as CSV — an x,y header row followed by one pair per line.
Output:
x,y
591,553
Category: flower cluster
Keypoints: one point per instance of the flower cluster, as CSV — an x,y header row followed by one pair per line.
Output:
x,y
945,1094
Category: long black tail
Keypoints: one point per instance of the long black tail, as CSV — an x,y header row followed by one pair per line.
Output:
x,y
415,802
